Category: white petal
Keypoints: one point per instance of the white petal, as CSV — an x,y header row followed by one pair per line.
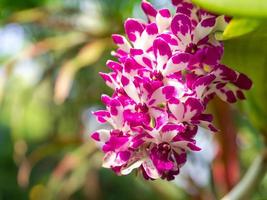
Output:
x,y
109,159
177,110
131,167
150,169
168,136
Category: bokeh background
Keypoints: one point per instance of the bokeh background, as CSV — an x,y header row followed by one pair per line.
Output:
x,y
50,54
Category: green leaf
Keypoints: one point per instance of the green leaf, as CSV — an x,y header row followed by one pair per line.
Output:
x,y
240,26
244,8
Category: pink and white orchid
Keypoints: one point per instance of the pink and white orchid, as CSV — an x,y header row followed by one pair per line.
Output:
x,y
168,70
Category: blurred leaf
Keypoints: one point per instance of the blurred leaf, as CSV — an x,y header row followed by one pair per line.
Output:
x,y
26,110
39,154
248,54
88,55
240,26
37,192
29,15
8,170
56,43
167,190
245,8
70,174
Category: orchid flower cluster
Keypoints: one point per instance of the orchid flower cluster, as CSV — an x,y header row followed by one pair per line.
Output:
x,y
168,70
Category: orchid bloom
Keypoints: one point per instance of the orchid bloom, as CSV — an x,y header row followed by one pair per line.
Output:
x,y
168,70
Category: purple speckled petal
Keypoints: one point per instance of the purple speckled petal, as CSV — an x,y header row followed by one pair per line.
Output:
x,y
148,36
201,84
109,159
162,52
177,2
149,10
130,89
161,95
193,108
108,80
204,28
177,109
101,136
243,82
133,29
163,19
121,42
115,66
187,8
131,166
102,115
150,169
181,26
177,63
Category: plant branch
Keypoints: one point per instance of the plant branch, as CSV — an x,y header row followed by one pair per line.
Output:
x,y
251,179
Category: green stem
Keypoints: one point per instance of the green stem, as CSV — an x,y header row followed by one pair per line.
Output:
x,y
251,179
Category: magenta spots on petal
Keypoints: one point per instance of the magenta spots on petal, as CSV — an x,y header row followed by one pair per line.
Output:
x,y
114,104
137,143
181,57
105,99
118,39
160,157
180,158
227,73
205,80
174,101
168,91
115,66
193,147
165,13
95,136
227,19
148,9
133,28
173,127
230,96
131,64
243,82
176,2
210,22
136,118
106,77
147,61
181,24
114,143
102,115
161,48
212,128
124,155
135,52
193,104
170,39
220,85
240,95
152,29
185,8
206,117
151,102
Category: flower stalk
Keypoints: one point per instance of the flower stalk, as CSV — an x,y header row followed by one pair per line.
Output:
x,y
251,179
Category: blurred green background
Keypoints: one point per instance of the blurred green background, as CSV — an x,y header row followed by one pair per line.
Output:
x,y
50,54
